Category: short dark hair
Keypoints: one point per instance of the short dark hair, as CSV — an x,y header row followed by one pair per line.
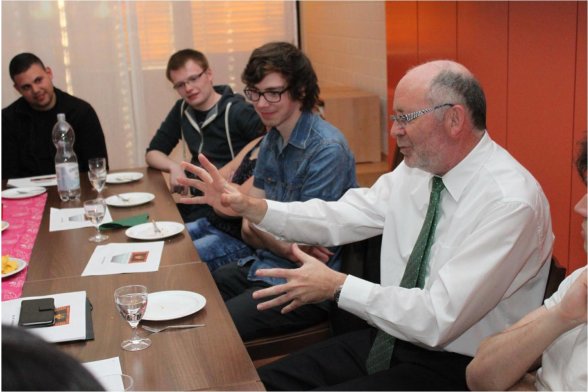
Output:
x,y
581,160
457,87
294,66
22,62
181,57
29,363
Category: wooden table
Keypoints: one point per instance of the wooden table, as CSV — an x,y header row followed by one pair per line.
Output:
x,y
208,358
65,253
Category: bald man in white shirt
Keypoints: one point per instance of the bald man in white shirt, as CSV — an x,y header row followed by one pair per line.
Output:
x,y
487,265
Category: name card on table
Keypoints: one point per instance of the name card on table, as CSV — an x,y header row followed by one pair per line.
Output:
x,y
124,258
72,218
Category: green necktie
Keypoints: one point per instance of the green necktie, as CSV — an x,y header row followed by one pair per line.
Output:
x,y
414,276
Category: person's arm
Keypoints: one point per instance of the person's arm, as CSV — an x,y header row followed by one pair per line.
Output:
x,y
162,144
90,141
158,160
504,359
10,147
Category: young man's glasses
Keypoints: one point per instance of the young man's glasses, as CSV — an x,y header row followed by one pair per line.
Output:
x,y
402,120
271,96
191,80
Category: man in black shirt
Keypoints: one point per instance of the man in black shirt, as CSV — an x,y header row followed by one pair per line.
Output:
x,y
206,119
27,123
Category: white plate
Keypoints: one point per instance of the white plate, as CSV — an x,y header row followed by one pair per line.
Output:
x,y
23,192
4,225
21,265
169,305
146,231
133,199
123,177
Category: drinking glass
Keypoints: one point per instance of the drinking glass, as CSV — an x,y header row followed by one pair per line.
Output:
x,y
94,211
116,382
131,302
97,173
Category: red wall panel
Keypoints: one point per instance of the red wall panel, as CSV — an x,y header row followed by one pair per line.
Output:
x,y
482,46
577,255
402,51
540,87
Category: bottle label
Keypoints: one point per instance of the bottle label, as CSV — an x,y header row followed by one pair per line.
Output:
x,y
68,176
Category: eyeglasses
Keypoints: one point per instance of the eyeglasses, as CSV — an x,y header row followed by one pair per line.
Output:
x,y
271,96
403,119
191,80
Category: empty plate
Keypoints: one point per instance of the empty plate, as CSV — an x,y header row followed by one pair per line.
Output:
x,y
129,199
23,192
173,304
146,231
123,177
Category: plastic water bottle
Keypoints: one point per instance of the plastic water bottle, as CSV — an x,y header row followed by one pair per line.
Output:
x,y
66,161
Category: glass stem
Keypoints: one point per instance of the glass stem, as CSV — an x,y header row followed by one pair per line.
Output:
x,y
135,336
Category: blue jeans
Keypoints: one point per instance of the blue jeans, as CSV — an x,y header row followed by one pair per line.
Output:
x,y
215,247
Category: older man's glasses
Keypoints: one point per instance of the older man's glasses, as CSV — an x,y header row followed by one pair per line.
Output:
x,y
191,80
271,96
402,120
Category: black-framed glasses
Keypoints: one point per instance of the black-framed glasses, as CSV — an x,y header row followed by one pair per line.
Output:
x,y
403,119
271,95
191,80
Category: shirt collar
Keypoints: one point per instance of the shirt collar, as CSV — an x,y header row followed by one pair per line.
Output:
x,y
457,179
301,131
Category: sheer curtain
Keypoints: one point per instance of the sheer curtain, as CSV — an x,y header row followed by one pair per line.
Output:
x,y
113,53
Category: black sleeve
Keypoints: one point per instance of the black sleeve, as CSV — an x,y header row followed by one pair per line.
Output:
x,y
10,148
90,142
247,121
169,133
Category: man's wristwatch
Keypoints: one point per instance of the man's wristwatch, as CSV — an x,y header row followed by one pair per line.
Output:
x,y
337,294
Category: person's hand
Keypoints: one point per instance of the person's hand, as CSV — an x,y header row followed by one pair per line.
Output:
x,y
175,174
210,182
572,308
311,283
320,252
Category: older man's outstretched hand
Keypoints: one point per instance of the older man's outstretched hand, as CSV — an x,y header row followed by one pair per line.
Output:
x,y
219,193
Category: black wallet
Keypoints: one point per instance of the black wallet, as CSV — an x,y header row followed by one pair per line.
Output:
x,y
36,313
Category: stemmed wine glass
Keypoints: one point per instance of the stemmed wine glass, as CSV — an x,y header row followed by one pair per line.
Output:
x,y
94,211
97,173
131,302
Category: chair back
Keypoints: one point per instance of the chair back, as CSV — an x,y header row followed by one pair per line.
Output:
x,y
557,274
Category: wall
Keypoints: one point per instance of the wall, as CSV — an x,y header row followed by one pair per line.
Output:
x,y
530,57
346,42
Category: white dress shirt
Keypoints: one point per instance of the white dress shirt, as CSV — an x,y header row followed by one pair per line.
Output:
x,y
488,264
563,365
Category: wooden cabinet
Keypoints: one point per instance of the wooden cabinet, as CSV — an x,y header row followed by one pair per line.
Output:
x,y
357,114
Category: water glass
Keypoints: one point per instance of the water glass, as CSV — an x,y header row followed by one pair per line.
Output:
x,y
116,382
94,211
131,302
97,173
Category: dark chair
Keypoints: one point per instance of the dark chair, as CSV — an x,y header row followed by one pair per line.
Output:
x,y
557,274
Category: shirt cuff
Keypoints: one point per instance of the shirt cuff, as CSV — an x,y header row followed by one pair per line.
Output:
x,y
354,295
275,218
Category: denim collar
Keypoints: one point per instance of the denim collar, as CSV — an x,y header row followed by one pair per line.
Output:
x,y
301,131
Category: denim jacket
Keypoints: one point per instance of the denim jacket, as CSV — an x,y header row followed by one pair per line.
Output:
x,y
315,163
